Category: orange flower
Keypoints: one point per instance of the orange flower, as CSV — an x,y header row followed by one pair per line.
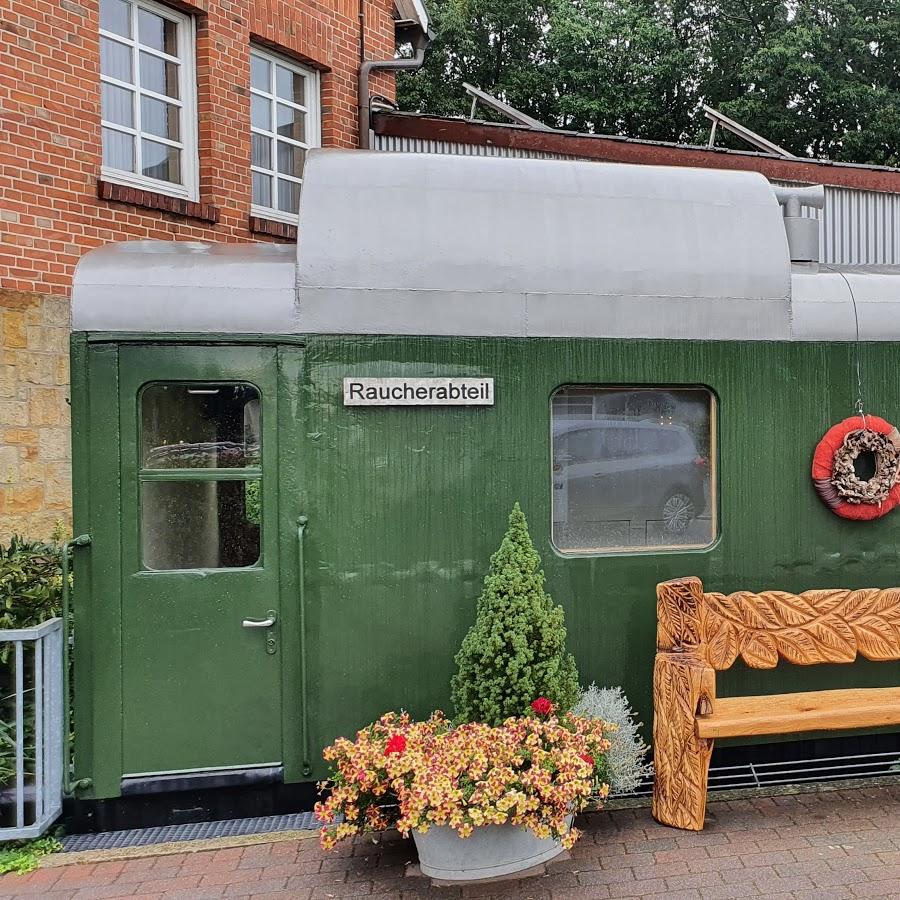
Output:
x,y
528,771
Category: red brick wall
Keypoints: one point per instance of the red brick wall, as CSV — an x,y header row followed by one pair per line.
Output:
x,y
50,211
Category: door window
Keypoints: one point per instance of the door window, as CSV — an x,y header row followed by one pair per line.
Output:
x,y
640,475
200,476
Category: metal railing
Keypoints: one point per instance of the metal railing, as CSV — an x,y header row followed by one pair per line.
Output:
x,y
32,744
813,770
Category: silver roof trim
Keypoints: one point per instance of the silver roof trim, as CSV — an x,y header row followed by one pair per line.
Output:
x,y
429,244
439,245
185,286
823,304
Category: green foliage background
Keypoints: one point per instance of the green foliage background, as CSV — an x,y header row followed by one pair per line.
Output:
x,y
516,650
819,78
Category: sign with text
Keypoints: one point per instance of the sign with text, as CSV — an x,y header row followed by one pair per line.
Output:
x,y
418,392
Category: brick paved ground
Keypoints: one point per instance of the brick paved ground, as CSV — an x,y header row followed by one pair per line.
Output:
x,y
826,846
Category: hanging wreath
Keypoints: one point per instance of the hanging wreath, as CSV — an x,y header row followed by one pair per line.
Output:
x,y
834,472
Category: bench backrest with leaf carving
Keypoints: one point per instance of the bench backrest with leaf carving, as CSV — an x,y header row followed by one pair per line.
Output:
x,y
824,626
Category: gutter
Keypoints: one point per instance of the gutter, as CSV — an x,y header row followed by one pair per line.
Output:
x,y
420,41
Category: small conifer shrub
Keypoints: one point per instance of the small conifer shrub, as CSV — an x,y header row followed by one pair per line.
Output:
x,y
516,650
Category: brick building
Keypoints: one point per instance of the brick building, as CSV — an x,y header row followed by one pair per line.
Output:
x,y
129,119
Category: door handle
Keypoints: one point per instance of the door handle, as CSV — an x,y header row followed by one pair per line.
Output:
x,y
260,623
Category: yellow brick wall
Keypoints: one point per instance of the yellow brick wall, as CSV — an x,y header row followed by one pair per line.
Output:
x,y
35,483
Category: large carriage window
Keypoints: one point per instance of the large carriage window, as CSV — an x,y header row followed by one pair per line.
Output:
x,y
633,468
194,515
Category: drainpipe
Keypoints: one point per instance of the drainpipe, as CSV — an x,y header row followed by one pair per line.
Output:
x,y
420,43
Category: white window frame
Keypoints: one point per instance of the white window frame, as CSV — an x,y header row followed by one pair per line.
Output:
x,y
187,102
313,129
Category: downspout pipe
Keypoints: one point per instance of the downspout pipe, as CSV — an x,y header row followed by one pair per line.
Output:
x,y
420,44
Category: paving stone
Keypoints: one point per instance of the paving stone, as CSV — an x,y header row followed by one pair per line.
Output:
x,y
837,845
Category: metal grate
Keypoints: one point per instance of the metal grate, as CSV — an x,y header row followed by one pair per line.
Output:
x,y
196,831
795,771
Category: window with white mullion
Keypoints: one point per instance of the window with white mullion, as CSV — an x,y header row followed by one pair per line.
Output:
x,y
284,124
147,72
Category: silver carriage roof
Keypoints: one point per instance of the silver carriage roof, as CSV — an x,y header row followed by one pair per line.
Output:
x,y
449,245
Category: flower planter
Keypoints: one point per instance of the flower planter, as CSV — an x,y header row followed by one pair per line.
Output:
x,y
491,851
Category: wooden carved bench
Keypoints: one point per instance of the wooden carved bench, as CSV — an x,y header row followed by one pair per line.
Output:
x,y
701,633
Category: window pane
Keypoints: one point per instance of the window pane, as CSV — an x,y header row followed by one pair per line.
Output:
x,y
159,117
290,85
262,189
118,150
200,524
191,426
157,32
288,196
161,161
159,75
115,16
260,112
633,468
262,151
290,159
291,122
259,73
115,60
117,105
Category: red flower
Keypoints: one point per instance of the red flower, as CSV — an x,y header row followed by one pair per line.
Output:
x,y
542,706
396,744
588,758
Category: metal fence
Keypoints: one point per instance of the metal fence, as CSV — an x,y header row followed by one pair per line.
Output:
x,y
31,729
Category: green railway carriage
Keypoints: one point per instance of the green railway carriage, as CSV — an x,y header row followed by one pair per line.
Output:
x,y
288,535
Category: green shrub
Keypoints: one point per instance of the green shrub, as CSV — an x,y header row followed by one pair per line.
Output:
x,y
30,593
516,650
30,583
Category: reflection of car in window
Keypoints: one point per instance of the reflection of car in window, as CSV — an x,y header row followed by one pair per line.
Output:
x,y
609,470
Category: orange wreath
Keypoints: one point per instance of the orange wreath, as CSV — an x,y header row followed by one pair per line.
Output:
x,y
840,446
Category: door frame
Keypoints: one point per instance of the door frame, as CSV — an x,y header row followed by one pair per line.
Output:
x,y
98,450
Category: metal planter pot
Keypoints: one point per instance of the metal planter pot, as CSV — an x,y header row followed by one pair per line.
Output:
x,y
491,851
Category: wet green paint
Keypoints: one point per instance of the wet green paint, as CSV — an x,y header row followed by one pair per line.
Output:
x,y
406,505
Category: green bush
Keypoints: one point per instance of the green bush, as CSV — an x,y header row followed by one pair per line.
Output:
x,y
30,593
516,650
30,583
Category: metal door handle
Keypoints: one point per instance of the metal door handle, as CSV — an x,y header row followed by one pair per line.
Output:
x,y
259,623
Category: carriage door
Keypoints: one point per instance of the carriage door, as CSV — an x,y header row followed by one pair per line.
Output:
x,y
201,630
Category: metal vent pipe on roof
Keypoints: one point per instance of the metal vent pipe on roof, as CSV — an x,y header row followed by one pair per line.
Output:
x,y
802,232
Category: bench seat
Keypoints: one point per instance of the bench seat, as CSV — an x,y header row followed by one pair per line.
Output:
x,y
807,711
701,633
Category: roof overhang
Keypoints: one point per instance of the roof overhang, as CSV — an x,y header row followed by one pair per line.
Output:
x,y
412,11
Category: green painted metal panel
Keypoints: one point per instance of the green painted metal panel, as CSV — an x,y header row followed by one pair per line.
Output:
x,y
406,505
97,595
198,689
294,497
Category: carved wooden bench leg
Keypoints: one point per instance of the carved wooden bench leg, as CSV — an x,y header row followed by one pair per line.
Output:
x,y
681,683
